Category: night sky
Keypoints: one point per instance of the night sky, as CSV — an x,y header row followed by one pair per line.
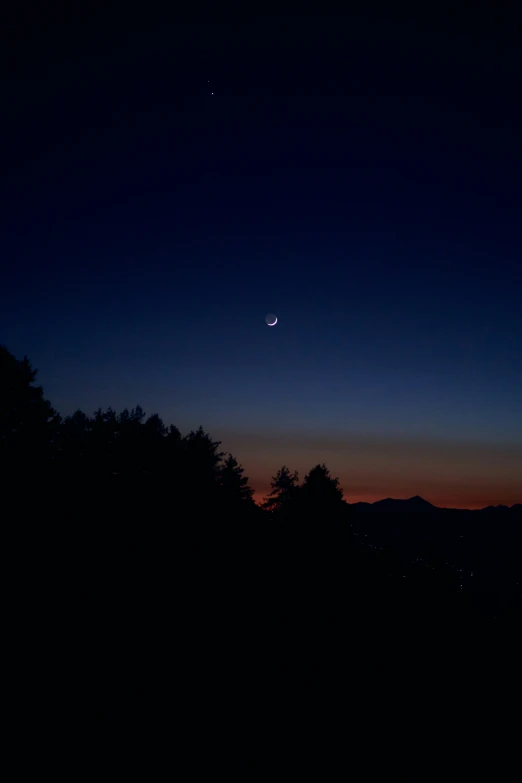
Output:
x,y
165,186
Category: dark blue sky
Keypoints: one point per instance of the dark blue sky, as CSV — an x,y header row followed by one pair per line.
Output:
x,y
359,177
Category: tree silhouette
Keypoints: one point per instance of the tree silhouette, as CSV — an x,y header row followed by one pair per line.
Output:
x,y
73,444
153,445
321,492
28,422
104,433
199,466
283,492
125,467
173,433
155,429
131,450
234,485
170,456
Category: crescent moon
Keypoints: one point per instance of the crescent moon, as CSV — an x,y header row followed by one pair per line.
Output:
x,y
273,323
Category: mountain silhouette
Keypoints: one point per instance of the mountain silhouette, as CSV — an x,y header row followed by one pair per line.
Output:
x,y
417,504
399,558
414,504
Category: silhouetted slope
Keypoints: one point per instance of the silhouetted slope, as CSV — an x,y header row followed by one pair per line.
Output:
x,y
479,550
125,524
414,504
418,504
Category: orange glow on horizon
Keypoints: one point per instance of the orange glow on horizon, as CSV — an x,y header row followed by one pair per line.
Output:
x,y
449,501
448,473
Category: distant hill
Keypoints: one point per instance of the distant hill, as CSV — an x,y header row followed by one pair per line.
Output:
x,y
417,504
495,508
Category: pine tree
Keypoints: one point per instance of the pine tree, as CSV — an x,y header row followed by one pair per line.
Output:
x,y
199,468
320,490
28,422
284,489
235,490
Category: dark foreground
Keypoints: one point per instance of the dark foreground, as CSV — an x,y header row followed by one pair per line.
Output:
x,y
239,634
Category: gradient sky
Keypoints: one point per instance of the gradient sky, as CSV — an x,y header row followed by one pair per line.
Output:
x,y
361,178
